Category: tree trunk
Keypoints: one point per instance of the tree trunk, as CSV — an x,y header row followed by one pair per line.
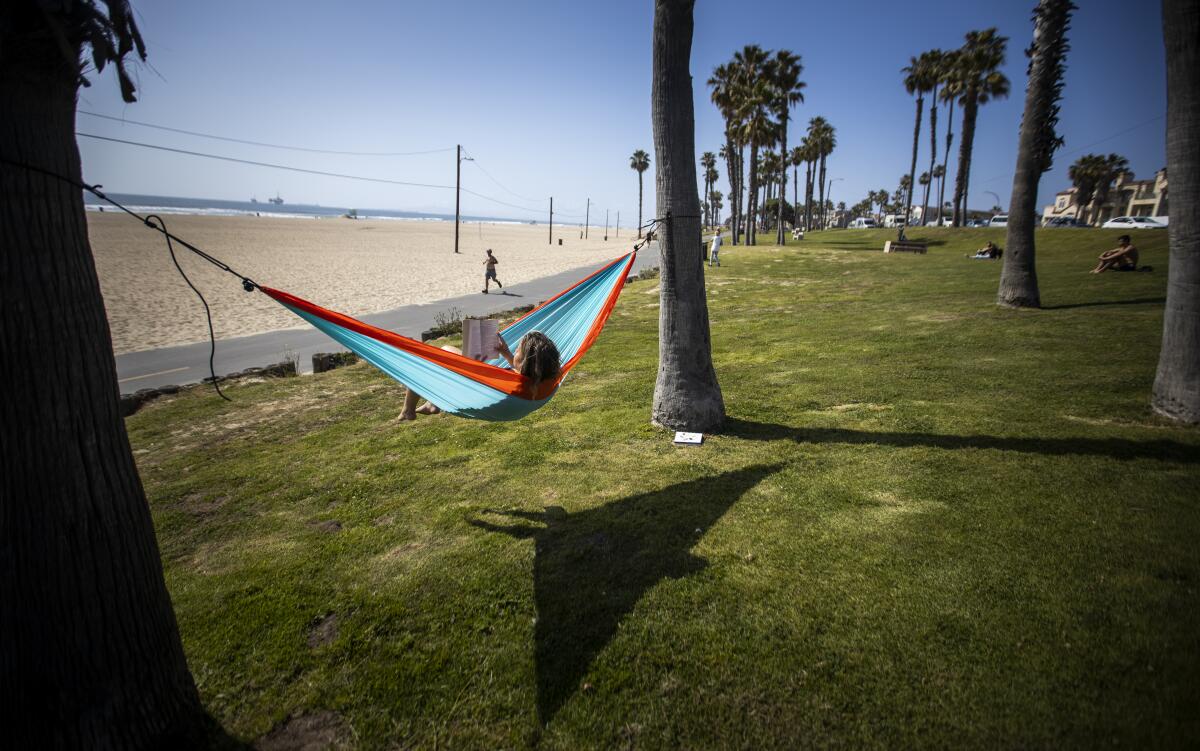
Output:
x,y
964,158
1177,384
686,394
795,195
639,174
783,154
912,170
945,160
1018,278
821,202
932,153
752,197
90,653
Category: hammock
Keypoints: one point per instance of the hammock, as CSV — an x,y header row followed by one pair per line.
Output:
x,y
482,390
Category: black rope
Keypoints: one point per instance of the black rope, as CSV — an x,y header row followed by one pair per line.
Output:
x,y
212,339
158,224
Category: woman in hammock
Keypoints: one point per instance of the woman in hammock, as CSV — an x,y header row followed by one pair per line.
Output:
x,y
536,358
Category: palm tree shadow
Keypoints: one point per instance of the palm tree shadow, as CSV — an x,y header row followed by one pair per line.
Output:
x,y
1098,303
1122,449
592,567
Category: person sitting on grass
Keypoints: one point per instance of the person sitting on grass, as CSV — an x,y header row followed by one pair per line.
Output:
x,y
536,358
988,252
1124,257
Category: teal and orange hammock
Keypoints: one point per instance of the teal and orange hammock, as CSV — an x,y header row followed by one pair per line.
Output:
x,y
483,390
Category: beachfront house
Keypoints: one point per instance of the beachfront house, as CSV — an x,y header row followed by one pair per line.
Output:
x,y
1127,197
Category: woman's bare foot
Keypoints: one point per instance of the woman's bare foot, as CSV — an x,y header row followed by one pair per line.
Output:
x,y
407,416
428,409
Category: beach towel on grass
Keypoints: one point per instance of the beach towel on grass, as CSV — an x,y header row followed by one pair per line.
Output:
x,y
482,390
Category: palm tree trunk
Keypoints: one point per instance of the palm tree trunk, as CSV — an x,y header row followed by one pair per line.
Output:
x,y
945,160
795,195
808,193
821,202
783,155
752,197
639,204
741,197
912,170
932,153
964,158
686,394
1177,383
90,653
1018,277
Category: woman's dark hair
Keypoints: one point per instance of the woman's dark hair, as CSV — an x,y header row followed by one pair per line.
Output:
x,y
1125,239
540,357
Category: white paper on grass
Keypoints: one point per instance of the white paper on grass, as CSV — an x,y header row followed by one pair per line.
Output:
x,y
689,438
481,338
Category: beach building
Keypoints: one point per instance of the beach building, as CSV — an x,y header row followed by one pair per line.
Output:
x,y
1127,197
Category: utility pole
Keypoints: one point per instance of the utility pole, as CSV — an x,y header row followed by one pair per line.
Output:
x,y
550,240
457,192
606,225
586,213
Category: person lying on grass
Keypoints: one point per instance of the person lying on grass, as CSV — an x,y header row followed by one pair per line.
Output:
x,y
536,358
988,251
1124,257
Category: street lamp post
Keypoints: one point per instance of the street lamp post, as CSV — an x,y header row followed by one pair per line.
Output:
x,y
828,197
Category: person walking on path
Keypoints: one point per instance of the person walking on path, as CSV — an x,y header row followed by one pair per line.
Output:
x,y
715,251
490,275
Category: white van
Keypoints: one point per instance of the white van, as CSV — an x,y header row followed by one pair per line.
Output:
x,y
999,220
863,222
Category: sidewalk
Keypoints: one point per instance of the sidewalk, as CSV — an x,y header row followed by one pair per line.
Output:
x,y
188,363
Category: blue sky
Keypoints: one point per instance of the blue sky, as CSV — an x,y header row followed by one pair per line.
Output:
x,y
551,98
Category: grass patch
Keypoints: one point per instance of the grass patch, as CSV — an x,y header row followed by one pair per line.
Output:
x,y
930,522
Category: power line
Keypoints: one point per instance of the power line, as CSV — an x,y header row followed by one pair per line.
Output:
x,y
475,159
261,143
303,170
262,164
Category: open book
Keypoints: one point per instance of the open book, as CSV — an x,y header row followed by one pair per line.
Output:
x,y
481,338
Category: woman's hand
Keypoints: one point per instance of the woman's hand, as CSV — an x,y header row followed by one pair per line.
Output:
x,y
505,352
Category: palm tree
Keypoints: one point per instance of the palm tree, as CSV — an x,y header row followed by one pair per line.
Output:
x,y
1035,151
1109,168
1084,174
812,155
723,83
714,199
686,393
639,162
981,81
920,77
939,174
785,74
757,129
90,651
924,181
795,159
1177,384
708,160
826,143
935,61
950,78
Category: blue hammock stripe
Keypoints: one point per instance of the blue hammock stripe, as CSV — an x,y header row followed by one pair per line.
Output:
x,y
572,320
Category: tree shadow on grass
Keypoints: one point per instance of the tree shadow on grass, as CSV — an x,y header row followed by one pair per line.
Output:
x,y
1115,448
591,567
1138,301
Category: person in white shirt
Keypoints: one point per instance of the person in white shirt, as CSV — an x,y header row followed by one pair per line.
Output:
x,y
714,252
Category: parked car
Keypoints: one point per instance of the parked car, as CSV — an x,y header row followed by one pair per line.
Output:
x,y
1063,221
999,220
1133,222
863,222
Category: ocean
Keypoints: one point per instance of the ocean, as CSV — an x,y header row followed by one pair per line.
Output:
x,y
216,207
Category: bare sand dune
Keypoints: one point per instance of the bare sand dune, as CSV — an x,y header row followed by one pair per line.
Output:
x,y
356,267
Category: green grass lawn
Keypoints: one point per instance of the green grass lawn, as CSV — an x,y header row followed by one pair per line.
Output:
x,y
929,522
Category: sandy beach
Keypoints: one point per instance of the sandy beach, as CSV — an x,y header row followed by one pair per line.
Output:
x,y
355,267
